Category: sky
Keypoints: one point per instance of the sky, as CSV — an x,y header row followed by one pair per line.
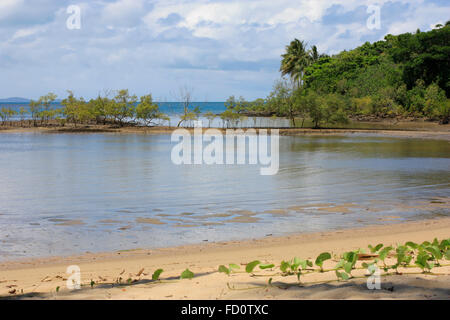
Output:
x,y
215,48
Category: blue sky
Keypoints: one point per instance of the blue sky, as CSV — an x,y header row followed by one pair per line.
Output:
x,y
217,48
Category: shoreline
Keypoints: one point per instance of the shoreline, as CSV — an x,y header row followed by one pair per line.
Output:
x,y
203,259
435,132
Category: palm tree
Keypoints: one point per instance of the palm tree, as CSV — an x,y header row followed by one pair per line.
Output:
x,y
314,54
295,60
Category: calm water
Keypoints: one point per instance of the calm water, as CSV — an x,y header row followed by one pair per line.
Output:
x,y
62,194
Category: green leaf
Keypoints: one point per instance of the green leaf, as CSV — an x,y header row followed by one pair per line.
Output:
x,y
350,256
407,260
156,274
348,267
322,257
376,248
234,266
284,266
250,266
340,264
435,242
342,275
447,254
345,276
266,266
434,251
412,245
298,262
187,274
422,260
383,253
224,269
444,244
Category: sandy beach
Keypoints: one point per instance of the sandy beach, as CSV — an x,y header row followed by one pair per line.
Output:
x,y
39,278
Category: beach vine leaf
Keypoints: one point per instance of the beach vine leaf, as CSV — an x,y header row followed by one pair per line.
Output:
x,y
384,253
321,258
412,245
252,265
224,269
444,244
266,266
156,274
434,250
234,266
342,275
284,266
187,274
376,248
447,254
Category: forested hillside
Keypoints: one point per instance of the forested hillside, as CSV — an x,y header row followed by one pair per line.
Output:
x,y
401,76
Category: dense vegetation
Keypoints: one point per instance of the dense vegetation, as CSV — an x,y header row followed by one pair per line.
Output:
x,y
402,76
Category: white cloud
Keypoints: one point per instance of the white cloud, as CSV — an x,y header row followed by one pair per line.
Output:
x,y
222,47
7,7
122,12
425,16
22,33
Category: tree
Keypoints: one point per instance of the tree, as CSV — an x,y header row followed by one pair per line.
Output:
x,y
238,105
122,106
76,110
295,60
434,98
185,97
444,112
147,111
282,99
35,110
328,109
100,107
7,113
210,116
22,113
229,118
46,112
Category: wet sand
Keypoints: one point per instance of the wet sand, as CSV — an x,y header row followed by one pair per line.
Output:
x,y
421,130
39,278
